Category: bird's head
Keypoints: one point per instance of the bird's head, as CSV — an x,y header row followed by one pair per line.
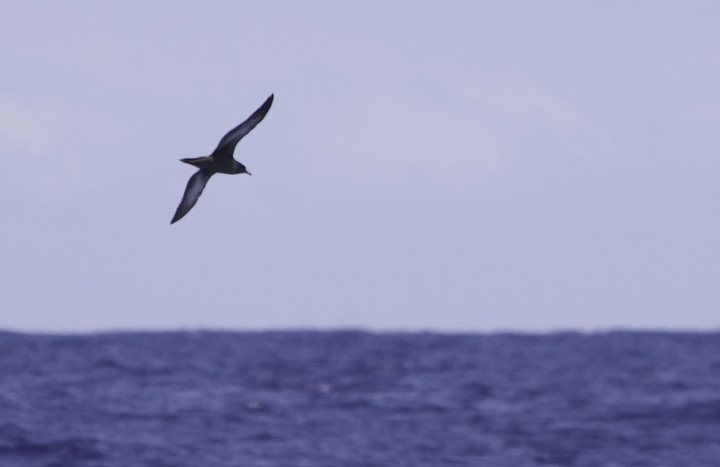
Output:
x,y
241,169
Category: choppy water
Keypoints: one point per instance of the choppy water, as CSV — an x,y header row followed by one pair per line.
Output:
x,y
359,399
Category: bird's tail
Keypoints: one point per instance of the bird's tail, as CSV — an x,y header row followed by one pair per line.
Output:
x,y
199,162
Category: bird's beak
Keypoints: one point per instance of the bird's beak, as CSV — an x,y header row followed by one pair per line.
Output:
x,y
248,172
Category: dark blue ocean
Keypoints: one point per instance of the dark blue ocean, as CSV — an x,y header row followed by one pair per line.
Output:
x,y
211,399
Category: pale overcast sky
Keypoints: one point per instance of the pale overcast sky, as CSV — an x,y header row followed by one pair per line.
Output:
x,y
449,166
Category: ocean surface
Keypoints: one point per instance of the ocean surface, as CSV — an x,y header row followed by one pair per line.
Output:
x,y
287,399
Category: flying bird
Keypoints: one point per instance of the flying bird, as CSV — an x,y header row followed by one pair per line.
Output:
x,y
220,161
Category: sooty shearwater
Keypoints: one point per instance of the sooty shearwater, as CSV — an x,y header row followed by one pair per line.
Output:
x,y
220,161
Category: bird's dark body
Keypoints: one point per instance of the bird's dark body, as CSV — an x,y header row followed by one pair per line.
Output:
x,y
220,161
217,165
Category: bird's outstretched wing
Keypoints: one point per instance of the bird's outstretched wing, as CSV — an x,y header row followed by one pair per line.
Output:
x,y
227,143
194,188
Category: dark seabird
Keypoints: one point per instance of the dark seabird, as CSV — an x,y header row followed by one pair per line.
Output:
x,y
221,160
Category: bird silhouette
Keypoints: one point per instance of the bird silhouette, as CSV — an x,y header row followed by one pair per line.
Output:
x,y
220,161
